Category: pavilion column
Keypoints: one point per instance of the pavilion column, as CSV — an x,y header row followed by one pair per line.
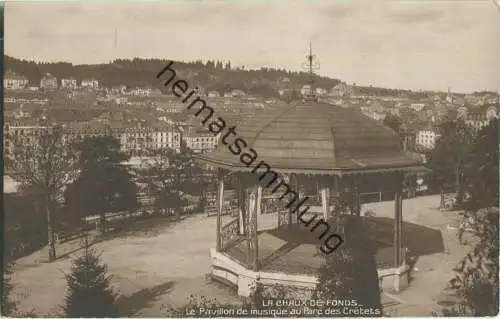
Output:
x,y
357,198
398,222
249,207
220,206
293,184
297,189
240,192
336,201
325,201
255,227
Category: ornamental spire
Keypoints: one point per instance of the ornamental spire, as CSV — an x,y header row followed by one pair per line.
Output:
x,y
311,65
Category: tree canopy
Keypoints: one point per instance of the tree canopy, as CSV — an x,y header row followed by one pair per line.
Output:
x,y
44,163
447,158
476,278
104,184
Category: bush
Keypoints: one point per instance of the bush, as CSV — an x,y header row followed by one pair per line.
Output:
x,y
257,305
25,227
89,288
8,307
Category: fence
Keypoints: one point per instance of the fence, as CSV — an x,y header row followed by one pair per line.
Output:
x,y
447,201
371,197
66,235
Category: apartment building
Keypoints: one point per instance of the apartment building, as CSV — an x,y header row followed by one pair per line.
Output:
x,y
341,90
427,138
167,137
477,117
25,132
14,81
201,142
69,83
133,140
48,82
90,84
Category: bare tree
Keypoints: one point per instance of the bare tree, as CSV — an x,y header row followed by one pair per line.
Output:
x,y
43,159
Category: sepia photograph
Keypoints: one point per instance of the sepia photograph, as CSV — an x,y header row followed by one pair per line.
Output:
x,y
284,158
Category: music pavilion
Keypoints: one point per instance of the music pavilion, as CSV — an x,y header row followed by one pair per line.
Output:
x,y
324,151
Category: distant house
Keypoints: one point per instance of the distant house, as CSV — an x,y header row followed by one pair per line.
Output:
x,y
341,90
139,91
213,94
492,112
48,82
121,101
305,89
436,97
200,143
462,113
14,81
238,93
320,91
417,107
449,98
477,118
90,84
427,138
376,115
119,89
69,83
228,94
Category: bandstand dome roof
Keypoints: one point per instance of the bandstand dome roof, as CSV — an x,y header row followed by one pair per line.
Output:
x,y
317,138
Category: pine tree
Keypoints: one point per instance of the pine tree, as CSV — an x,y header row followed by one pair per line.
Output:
x,y
89,288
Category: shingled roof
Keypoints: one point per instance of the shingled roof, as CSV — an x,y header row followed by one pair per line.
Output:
x,y
316,138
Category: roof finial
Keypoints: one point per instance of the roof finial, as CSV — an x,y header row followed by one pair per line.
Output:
x,y
311,65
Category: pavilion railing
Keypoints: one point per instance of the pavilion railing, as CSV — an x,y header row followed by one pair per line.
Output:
x,y
370,197
282,218
314,200
229,233
230,208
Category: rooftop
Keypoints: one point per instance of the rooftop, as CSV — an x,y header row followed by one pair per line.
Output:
x,y
316,138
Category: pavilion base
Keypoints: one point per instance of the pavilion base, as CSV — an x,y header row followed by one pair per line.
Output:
x,y
229,271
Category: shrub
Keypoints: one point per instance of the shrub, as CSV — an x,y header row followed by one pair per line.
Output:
x,y
89,288
253,306
8,307
351,273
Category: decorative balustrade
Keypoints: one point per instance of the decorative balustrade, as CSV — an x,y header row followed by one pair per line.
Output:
x,y
230,208
282,218
229,233
314,200
272,205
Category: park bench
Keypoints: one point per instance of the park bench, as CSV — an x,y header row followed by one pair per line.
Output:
x,y
66,235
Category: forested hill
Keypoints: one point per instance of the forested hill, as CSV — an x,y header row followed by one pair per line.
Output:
x,y
212,75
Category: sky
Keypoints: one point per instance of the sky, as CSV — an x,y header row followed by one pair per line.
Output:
x,y
427,45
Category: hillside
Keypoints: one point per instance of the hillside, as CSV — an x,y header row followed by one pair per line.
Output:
x,y
212,75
